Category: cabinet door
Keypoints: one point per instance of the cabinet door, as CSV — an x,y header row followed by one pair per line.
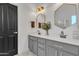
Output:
x,y
35,47
30,45
41,47
11,18
51,51
41,51
33,44
64,53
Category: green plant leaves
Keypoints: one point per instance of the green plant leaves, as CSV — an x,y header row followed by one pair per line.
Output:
x,y
46,26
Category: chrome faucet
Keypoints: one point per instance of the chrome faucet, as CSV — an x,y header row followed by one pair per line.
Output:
x,y
62,35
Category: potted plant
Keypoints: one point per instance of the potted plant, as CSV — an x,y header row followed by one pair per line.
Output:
x,y
46,26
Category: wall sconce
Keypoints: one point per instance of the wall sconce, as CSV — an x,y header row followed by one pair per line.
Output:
x,y
32,24
39,25
40,10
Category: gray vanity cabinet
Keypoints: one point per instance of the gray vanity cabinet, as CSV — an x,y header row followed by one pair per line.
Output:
x,y
54,48
33,44
45,47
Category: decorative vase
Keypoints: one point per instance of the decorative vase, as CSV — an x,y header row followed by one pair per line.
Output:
x,y
47,32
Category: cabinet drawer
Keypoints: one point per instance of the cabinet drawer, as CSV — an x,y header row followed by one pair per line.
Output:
x,y
41,41
33,38
66,47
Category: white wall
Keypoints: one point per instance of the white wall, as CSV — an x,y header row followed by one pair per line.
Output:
x,y
55,30
49,17
25,15
23,28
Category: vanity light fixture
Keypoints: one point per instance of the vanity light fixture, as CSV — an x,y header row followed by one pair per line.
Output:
x,y
40,9
32,24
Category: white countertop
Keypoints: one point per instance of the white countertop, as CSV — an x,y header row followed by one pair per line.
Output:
x,y
67,40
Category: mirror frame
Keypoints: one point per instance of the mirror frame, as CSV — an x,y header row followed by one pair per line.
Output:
x,y
55,20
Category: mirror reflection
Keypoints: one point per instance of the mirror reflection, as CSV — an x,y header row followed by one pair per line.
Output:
x,y
65,16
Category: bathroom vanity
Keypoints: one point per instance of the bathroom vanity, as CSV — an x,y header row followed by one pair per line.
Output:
x,y
58,44
42,45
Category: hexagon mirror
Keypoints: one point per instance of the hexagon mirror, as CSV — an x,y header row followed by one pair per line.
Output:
x,y
65,16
